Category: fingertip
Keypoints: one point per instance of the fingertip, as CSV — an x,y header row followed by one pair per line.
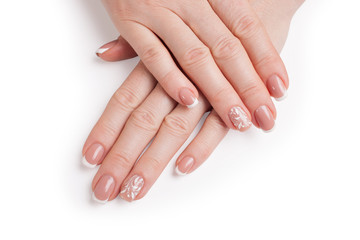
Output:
x,y
188,97
103,50
116,50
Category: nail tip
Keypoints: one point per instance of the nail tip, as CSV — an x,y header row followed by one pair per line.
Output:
x,y
132,188
245,127
87,164
178,172
126,199
101,51
98,200
196,102
270,130
282,98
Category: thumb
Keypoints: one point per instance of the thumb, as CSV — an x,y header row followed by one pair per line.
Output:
x,y
116,50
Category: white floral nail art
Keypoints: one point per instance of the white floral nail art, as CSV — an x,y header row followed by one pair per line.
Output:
x,y
132,187
239,118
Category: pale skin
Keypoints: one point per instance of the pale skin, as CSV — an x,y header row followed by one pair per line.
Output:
x,y
141,110
221,45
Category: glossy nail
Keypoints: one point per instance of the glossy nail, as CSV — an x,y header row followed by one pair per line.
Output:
x,y
105,48
276,88
132,188
265,118
104,188
184,166
93,155
188,98
239,118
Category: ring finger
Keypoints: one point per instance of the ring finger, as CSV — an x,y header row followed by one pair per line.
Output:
x,y
140,128
173,133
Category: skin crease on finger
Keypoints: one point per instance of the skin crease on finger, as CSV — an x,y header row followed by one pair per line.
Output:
x,y
278,38
225,89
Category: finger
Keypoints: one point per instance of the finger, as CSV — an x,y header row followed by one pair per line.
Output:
x,y
234,62
172,134
198,63
245,24
160,63
128,97
116,50
201,147
140,128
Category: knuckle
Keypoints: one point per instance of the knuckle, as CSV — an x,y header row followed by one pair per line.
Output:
x,y
216,122
250,90
144,119
196,56
168,80
246,26
108,129
120,160
221,94
152,55
125,99
176,125
155,164
266,60
226,48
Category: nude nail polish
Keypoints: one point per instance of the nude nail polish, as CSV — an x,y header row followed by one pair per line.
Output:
x,y
105,48
276,88
265,118
132,188
188,98
93,155
184,166
103,189
239,118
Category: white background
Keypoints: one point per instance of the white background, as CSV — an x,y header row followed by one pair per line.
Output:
x,y
300,182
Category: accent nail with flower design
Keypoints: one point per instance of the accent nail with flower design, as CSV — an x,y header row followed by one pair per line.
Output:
x,y
132,188
239,118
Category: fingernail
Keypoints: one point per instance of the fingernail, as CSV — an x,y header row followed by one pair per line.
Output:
x,y
239,118
104,188
265,118
93,155
277,88
188,98
132,188
106,47
184,166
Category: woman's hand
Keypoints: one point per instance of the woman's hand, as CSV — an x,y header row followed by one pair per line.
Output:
x,y
140,110
220,45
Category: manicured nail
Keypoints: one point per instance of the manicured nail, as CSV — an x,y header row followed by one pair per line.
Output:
x,y
106,47
132,188
239,118
188,98
101,50
104,188
184,166
93,155
277,88
265,118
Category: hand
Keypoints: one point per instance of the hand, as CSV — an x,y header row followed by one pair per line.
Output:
x,y
229,56
138,111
